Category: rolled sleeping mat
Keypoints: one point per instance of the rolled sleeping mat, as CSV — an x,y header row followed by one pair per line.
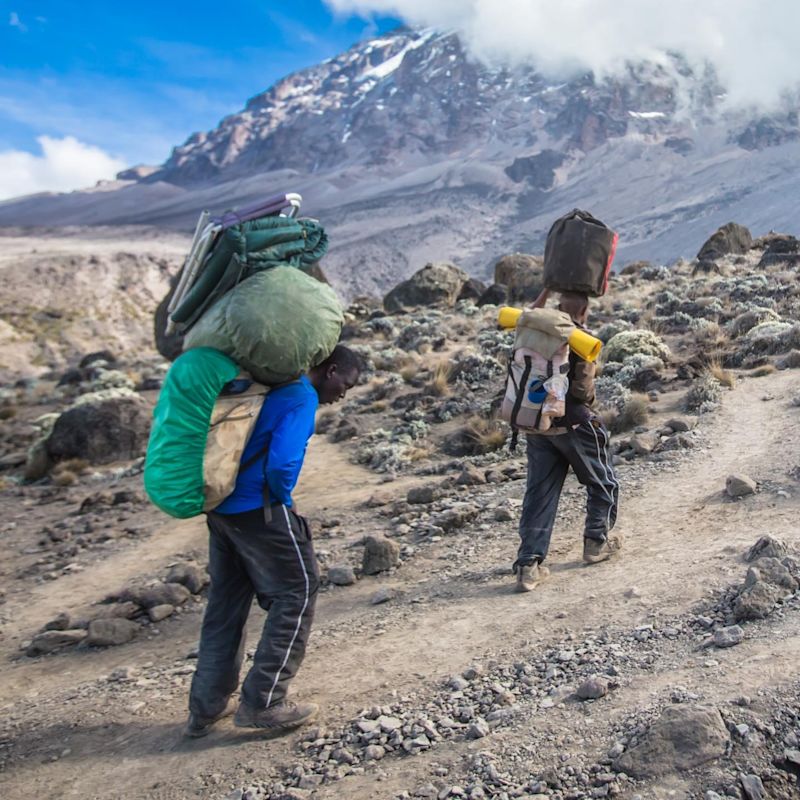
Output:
x,y
584,344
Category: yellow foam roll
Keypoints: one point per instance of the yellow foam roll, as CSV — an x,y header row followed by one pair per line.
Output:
x,y
586,346
508,316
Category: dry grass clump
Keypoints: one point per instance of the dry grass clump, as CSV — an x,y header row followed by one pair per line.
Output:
x,y
410,371
486,434
762,371
634,413
725,377
68,472
8,412
439,385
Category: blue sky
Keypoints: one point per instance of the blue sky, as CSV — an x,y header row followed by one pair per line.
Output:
x,y
128,80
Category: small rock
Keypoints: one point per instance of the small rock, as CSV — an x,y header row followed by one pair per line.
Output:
x,y
458,684
752,786
61,622
380,555
341,575
681,424
188,575
50,641
374,752
728,637
593,689
157,613
740,486
111,632
478,730
503,514
470,476
383,595
422,495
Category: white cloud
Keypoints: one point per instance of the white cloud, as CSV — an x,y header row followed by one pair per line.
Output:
x,y
752,44
15,22
64,164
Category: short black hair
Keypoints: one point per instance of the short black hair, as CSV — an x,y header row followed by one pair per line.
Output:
x,y
345,359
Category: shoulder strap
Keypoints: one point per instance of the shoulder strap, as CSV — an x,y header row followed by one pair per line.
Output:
x,y
521,388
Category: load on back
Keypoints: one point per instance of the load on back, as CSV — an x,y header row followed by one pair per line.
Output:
x,y
578,254
252,318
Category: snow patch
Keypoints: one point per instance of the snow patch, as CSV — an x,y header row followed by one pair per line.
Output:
x,y
647,114
383,70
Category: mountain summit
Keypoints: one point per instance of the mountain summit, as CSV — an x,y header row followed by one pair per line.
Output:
x,y
409,150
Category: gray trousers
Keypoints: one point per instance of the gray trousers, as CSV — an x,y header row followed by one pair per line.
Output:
x,y
275,563
585,449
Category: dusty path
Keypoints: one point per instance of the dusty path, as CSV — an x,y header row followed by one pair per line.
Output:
x,y
682,540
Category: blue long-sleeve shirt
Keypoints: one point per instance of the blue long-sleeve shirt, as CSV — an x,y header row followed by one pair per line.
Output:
x,y
286,423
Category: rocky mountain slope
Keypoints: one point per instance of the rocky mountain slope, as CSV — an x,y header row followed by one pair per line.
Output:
x,y
669,672
410,151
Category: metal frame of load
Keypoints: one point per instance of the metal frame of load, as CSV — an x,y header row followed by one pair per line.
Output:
x,y
229,248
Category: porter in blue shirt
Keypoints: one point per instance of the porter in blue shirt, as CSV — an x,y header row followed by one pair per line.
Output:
x,y
285,425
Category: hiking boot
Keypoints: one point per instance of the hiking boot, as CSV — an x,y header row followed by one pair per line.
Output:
x,y
198,726
529,576
596,550
280,717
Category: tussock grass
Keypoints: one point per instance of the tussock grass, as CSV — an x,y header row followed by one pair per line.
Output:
x,y
724,376
439,385
634,413
487,434
762,371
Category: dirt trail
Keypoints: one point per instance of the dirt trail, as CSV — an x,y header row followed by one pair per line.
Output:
x,y
682,538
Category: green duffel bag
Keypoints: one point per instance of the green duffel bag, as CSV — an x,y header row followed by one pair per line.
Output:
x,y
276,325
578,254
198,434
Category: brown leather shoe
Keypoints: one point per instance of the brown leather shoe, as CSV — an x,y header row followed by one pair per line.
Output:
x,y
279,717
529,576
595,551
197,726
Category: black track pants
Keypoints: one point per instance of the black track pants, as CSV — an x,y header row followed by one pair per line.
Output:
x,y
275,563
585,449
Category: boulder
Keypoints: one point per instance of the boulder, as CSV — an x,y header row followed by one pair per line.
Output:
x,y
522,274
115,429
780,249
495,295
538,171
110,632
729,636
434,285
740,486
50,641
682,738
756,601
380,555
188,575
644,443
730,238
772,571
473,289
766,546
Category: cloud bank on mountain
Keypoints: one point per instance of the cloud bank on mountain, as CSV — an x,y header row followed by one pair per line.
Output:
x,y
63,165
752,45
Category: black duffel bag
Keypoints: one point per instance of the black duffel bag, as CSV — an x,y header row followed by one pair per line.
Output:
x,y
578,254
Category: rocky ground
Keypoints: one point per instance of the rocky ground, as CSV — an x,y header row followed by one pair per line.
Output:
x,y
667,673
